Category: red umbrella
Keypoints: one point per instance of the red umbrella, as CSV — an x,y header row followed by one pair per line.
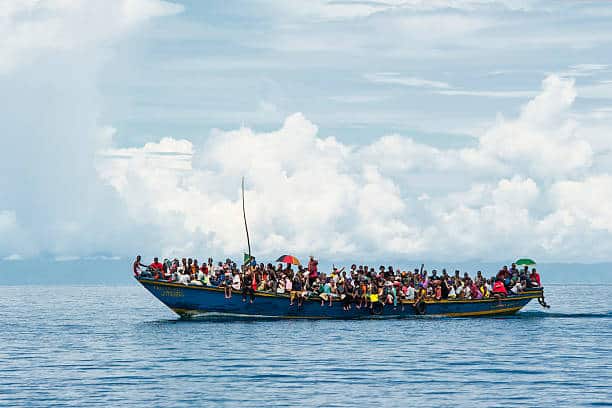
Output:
x,y
289,259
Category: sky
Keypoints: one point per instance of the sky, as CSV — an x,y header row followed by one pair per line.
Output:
x,y
366,130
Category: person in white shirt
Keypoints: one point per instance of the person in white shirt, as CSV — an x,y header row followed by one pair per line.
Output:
x,y
410,293
467,293
459,290
236,281
183,277
451,292
517,288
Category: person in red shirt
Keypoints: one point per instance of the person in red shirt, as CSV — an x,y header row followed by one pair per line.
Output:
x,y
535,278
157,268
499,289
312,269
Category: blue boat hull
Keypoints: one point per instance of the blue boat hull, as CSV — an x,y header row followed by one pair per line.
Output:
x,y
190,301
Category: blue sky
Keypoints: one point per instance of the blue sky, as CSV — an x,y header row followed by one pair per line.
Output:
x,y
386,129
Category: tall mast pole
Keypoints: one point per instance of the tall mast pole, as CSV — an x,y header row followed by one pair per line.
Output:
x,y
245,221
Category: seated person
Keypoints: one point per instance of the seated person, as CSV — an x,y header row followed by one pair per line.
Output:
x,y
452,295
156,268
499,289
517,288
534,277
183,277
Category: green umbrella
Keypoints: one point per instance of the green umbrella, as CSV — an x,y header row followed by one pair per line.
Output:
x,y
525,261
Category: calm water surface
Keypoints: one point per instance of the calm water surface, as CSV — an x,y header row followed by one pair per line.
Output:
x,y
109,346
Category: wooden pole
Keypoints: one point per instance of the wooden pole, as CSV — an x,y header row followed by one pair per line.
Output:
x,y
245,221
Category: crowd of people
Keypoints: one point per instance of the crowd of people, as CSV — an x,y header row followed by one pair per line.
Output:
x,y
359,286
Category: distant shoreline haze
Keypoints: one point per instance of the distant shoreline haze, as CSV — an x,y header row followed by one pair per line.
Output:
x,y
118,271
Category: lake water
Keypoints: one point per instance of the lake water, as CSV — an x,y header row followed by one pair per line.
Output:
x,y
111,346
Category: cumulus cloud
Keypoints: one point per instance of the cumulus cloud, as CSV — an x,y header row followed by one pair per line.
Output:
x,y
532,184
29,29
50,56
524,189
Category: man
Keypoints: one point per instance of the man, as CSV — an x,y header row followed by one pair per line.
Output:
x,y
137,266
248,287
444,287
156,267
513,269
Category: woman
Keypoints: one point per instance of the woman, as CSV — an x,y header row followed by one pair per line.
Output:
x,y
499,289
236,281
325,293
296,290
452,295
476,293
438,292
534,278
280,286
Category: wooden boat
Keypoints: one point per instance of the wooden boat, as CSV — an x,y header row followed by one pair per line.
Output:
x,y
190,301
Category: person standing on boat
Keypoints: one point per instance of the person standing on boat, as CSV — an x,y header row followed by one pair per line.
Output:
x,y
138,265
248,287
313,270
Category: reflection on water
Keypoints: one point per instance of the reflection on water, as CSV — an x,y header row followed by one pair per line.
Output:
x,y
116,346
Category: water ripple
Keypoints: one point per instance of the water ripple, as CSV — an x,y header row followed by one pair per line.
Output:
x,y
111,346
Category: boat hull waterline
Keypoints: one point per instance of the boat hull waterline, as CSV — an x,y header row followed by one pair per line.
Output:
x,y
192,301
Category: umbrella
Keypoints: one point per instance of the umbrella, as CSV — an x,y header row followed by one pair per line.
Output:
x,y
289,259
525,261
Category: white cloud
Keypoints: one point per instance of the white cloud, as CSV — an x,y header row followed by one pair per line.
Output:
x,y
488,94
585,200
30,29
397,79
342,10
13,257
523,190
14,242
542,140
66,258
51,53
440,87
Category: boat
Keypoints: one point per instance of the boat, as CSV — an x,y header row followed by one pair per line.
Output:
x,y
208,301
189,301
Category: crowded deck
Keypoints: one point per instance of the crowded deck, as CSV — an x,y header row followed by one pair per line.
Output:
x,y
359,286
